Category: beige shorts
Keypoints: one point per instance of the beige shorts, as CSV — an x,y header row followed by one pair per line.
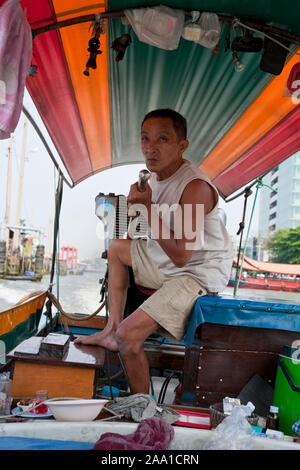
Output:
x,y
171,305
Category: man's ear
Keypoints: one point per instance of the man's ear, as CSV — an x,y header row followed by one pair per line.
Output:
x,y
183,145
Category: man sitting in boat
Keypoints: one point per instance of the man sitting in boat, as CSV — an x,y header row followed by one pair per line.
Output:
x,y
181,266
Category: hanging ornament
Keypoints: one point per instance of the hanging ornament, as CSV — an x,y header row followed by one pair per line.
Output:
x,y
247,42
94,44
120,45
238,66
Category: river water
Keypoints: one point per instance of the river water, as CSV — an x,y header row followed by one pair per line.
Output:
x,y
76,294
81,294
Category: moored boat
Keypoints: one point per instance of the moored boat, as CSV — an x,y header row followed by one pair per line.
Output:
x,y
269,284
265,275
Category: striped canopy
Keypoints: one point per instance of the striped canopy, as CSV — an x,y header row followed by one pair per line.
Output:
x,y
250,264
240,125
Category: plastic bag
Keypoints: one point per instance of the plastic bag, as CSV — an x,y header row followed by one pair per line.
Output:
x,y
296,427
210,30
234,432
191,30
158,26
5,393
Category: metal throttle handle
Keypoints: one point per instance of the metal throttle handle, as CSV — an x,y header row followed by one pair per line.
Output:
x,y
144,175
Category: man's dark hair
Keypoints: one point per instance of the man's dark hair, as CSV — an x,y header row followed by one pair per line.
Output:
x,y
179,122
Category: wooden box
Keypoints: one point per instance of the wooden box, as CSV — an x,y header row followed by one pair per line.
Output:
x,y
226,358
74,375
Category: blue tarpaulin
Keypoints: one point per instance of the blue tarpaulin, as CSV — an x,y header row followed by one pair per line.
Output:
x,y
235,312
26,443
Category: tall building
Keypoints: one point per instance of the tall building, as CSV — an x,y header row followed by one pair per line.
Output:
x,y
251,248
279,207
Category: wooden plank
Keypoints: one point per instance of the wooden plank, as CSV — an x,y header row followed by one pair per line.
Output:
x,y
165,356
190,369
206,398
96,322
58,380
229,371
243,338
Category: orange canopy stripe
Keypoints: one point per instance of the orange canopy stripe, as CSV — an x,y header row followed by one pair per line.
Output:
x,y
269,108
91,92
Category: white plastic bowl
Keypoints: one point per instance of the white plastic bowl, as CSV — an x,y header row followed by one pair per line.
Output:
x,y
76,410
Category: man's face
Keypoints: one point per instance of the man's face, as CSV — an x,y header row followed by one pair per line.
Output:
x,y
161,146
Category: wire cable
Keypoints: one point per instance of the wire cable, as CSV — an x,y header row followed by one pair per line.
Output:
x,y
237,22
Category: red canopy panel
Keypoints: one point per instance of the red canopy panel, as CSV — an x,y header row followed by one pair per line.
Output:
x,y
277,145
52,91
52,80
73,107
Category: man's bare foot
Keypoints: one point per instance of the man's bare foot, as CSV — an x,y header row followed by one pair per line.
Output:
x,y
106,340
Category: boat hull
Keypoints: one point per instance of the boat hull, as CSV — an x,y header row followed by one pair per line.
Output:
x,y
21,321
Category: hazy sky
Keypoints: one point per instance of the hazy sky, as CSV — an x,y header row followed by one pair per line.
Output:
x,y
78,223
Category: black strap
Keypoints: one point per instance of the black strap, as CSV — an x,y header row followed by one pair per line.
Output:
x,y
58,199
240,231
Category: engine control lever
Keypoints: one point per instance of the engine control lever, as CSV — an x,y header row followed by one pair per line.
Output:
x,y
144,176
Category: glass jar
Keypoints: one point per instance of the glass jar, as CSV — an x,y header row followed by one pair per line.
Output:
x,y
40,396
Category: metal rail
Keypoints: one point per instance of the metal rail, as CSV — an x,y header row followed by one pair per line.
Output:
x,y
118,14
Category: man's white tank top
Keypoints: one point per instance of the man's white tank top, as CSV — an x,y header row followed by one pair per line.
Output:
x,y
211,265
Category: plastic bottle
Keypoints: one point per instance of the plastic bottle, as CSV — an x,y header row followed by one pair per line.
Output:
x,y
272,419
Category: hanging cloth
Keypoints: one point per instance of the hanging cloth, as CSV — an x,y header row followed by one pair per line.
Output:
x,y
15,59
